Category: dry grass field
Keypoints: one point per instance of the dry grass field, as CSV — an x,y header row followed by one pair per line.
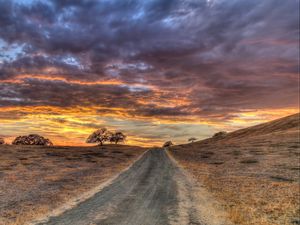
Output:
x,y
253,172
35,180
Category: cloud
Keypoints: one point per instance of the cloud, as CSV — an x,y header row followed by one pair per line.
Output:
x,y
179,59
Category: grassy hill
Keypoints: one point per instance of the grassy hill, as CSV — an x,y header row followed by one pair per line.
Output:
x,y
253,172
286,125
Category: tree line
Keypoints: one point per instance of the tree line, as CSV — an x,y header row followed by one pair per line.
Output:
x,y
99,136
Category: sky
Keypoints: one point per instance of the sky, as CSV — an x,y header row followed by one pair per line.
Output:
x,y
157,70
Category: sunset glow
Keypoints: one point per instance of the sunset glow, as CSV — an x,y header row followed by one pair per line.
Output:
x,y
157,70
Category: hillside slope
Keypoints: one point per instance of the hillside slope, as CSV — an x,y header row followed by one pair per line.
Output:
x,y
287,126
254,172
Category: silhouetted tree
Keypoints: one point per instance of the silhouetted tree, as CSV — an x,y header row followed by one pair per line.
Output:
x,y
32,139
117,137
167,144
99,136
192,139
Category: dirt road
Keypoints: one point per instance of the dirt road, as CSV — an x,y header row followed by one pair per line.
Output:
x,y
146,194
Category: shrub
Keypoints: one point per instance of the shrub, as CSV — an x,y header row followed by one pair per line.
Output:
x,y
220,135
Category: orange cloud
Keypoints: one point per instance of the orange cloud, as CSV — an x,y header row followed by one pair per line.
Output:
x,y
71,126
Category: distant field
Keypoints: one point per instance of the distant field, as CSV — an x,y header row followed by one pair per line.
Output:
x,y
35,180
253,172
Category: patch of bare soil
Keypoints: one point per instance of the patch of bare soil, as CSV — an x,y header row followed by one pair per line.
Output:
x,y
253,172
34,180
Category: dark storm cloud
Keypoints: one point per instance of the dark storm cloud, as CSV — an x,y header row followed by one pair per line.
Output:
x,y
219,56
152,110
57,93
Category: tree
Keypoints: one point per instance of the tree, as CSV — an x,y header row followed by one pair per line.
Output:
x,y
99,136
32,139
192,139
117,137
167,144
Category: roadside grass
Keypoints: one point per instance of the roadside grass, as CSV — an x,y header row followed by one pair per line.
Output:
x,y
35,180
249,161
258,183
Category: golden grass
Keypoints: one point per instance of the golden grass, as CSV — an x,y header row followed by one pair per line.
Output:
x,y
253,173
35,180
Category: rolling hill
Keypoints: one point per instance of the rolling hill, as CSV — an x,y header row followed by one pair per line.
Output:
x,y
253,172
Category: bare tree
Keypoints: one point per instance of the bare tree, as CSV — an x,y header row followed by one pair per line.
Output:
x,y
117,137
99,136
192,139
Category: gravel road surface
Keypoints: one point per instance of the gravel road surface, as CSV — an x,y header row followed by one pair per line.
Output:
x,y
146,194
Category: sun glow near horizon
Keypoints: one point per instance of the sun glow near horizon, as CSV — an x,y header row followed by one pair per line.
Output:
x,y
157,70
72,127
